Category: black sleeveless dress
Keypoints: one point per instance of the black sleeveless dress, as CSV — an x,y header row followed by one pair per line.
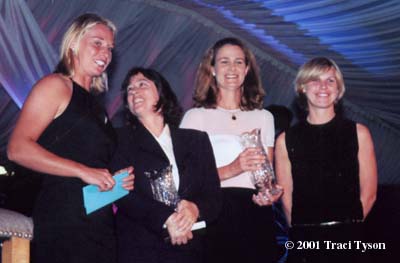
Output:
x,y
326,202
62,230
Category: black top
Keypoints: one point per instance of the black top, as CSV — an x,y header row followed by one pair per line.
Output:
x,y
325,171
81,133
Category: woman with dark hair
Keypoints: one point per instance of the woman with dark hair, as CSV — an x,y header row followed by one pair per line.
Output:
x,y
326,165
167,104
228,102
64,134
152,141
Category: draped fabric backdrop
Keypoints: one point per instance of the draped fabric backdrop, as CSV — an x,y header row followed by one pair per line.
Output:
x,y
363,37
171,36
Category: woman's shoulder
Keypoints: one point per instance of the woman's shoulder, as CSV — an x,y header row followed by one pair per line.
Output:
x,y
130,130
54,79
190,133
260,115
261,112
266,113
299,127
190,137
362,131
194,118
127,138
53,90
53,84
195,112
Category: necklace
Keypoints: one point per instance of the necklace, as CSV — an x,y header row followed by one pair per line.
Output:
x,y
232,113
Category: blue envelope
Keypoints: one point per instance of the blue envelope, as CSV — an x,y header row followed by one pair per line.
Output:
x,y
93,199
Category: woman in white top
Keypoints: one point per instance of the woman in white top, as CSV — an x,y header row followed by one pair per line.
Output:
x,y
228,102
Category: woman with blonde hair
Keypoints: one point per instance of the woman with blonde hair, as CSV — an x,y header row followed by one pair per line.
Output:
x,y
326,165
229,102
64,134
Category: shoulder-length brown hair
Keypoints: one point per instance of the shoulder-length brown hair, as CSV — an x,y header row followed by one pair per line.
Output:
x,y
206,90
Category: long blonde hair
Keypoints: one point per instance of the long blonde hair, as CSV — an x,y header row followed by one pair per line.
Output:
x,y
74,34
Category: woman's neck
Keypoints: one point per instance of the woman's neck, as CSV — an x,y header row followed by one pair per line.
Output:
x,y
320,116
83,81
153,123
229,100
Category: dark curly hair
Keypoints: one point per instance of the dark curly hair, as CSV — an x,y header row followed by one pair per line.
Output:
x,y
168,102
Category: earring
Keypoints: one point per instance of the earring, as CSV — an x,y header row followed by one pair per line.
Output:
x,y
213,73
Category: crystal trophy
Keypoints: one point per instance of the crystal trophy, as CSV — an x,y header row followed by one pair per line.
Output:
x,y
264,177
164,190
163,186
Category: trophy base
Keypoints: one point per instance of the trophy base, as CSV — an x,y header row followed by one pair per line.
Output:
x,y
275,191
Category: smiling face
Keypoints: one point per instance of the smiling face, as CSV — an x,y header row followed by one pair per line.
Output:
x,y
230,67
142,96
322,92
93,53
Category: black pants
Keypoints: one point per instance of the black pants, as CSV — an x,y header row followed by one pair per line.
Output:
x,y
244,231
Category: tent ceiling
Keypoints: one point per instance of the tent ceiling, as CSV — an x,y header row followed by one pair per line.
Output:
x,y
363,37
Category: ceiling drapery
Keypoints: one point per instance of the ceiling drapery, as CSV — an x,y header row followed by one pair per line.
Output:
x,y
363,37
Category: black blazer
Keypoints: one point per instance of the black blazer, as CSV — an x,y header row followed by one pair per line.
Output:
x,y
139,218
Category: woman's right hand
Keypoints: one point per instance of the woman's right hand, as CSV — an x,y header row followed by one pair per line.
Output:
x,y
249,160
97,176
178,237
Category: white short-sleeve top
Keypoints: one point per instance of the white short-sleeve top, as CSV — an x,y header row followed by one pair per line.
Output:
x,y
224,128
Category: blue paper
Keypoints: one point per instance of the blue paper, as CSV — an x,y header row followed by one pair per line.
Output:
x,y
93,199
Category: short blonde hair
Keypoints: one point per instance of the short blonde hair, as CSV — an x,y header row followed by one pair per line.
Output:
x,y
74,33
313,68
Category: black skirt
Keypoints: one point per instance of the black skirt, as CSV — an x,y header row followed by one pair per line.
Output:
x,y
244,231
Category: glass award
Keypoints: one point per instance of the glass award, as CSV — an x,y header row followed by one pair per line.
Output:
x,y
164,190
264,177
163,186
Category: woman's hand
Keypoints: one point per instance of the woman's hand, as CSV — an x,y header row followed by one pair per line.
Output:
x,y
265,198
177,236
100,177
129,181
249,160
189,212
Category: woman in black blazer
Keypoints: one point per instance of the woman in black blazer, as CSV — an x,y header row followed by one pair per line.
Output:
x,y
151,141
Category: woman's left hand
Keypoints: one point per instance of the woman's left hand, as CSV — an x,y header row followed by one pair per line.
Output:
x,y
128,181
190,214
265,198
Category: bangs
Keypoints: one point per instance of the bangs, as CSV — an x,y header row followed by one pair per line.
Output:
x,y
314,73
